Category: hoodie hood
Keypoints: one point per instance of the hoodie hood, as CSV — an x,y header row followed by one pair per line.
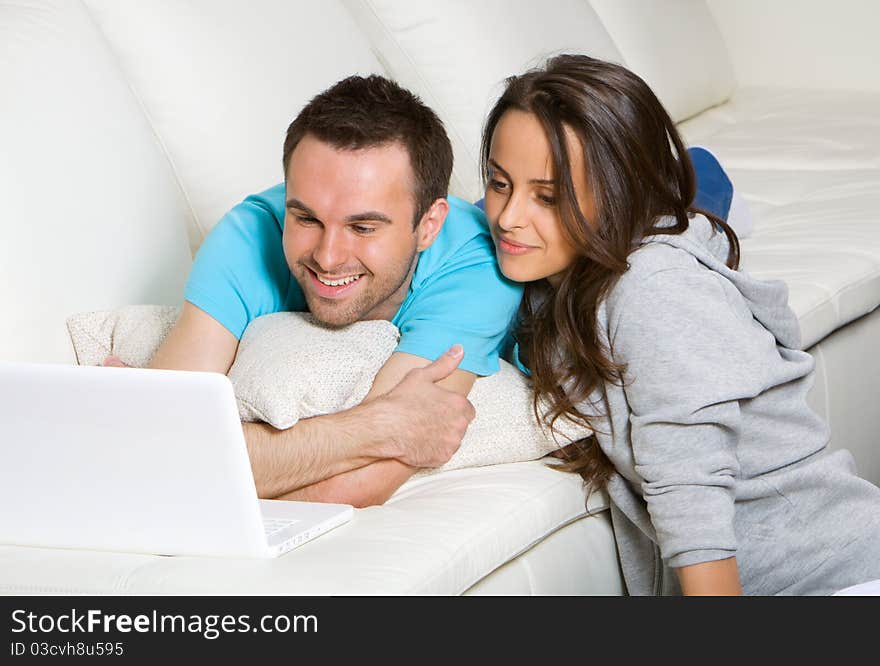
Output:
x,y
767,299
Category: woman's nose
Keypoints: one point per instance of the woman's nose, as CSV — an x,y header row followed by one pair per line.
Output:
x,y
512,215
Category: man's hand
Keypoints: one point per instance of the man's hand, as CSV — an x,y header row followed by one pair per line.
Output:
x,y
410,399
424,423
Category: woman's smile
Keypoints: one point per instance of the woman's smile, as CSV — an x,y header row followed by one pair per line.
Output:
x,y
510,246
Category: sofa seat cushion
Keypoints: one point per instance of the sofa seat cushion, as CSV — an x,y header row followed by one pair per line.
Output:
x,y
808,163
439,534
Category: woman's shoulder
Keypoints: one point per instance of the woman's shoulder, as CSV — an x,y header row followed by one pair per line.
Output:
x,y
651,264
663,283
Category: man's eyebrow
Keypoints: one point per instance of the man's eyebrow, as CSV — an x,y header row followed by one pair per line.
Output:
x,y
369,216
299,205
532,181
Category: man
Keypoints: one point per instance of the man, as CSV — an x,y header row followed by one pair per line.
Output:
x,y
361,229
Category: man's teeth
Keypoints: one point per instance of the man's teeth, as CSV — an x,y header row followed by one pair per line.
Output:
x,y
338,283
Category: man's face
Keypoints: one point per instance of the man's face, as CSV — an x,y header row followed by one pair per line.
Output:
x,y
348,231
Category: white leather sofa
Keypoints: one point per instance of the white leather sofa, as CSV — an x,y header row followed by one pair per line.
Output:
x,y
127,128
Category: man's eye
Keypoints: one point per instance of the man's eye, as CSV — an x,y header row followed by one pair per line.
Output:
x,y
305,219
363,230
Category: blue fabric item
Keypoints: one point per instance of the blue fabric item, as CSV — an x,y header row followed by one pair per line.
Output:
x,y
457,294
714,188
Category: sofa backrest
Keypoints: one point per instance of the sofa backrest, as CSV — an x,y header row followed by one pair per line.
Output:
x,y
220,81
130,126
806,44
455,55
91,215
676,47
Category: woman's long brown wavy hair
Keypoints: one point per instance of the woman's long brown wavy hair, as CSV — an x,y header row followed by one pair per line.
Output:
x,y
638,171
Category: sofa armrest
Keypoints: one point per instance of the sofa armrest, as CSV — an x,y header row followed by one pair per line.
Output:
x,y
801,43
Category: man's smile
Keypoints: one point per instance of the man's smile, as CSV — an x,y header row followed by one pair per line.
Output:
x,y
333,287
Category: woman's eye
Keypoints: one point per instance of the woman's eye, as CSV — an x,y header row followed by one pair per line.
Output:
x,y
498,185
547,200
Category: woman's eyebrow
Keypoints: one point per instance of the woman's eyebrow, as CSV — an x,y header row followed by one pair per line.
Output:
x,y
532,181
498,167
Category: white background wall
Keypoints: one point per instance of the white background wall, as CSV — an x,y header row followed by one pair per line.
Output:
x,y
802,43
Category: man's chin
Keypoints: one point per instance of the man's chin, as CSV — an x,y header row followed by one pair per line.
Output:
x,y
333,317
333,323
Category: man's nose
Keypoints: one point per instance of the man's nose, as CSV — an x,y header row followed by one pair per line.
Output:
x,y
332,250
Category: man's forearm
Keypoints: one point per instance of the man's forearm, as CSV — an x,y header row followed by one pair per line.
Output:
x,y
420,411
370,485
313,449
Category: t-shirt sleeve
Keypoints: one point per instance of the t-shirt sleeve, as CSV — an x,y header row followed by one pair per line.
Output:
x,y
470,303
240,272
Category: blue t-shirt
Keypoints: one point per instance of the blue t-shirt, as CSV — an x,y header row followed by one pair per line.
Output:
x,y
457,294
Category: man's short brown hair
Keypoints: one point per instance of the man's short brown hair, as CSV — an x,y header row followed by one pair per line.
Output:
x,y
367,112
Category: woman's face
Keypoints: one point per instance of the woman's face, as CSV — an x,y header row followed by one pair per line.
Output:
x,y
521,199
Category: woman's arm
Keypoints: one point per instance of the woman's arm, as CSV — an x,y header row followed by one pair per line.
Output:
x,y
692,358
718,578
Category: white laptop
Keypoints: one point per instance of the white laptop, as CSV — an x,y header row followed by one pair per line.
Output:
x,y
144,461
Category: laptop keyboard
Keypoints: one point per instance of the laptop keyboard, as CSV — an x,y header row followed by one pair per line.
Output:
x,y
272,525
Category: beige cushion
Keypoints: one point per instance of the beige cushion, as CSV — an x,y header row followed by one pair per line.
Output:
x,y
289,368
133,333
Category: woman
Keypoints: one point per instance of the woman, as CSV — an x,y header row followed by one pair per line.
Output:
x,y
637,323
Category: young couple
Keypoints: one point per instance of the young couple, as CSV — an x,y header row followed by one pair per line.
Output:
x,y
624,303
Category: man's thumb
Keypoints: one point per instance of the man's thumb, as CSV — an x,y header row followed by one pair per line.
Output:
x,y
113,362
445,364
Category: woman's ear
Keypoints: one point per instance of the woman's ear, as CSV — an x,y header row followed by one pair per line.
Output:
x,y
431,224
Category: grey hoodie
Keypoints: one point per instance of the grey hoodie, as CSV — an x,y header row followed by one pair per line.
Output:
x,y
717,453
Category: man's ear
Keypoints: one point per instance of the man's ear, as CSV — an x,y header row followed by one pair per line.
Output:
x,y
431,224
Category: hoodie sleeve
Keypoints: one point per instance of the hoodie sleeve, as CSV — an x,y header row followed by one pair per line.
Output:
x,y
691,355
